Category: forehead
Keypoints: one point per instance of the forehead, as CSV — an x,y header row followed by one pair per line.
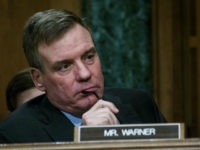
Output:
x,y
73,42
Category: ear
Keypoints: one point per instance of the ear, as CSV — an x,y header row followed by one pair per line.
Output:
x,y
37,79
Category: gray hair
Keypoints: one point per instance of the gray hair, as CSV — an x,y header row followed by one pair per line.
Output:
x,y
45,27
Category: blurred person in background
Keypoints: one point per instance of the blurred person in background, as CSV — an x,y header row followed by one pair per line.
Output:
x,y
21,89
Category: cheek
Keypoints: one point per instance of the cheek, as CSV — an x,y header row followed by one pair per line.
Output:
x,y
99,79
98,71
60,89
59,83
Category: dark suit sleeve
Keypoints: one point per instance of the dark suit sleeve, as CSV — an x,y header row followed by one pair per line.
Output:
x,y
4,138
159,116
146,107
136,106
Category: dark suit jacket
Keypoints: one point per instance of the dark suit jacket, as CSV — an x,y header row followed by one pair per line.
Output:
x,y
39,121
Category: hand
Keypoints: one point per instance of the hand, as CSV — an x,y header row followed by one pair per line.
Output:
x,y
102,113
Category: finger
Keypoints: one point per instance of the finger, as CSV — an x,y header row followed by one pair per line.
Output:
x,y
102,104
101,116
105,116
112,118
109,116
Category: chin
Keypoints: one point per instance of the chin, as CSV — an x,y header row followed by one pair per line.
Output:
x,y
87,103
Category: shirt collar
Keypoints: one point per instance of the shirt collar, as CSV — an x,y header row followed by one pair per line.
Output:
x,y
77,121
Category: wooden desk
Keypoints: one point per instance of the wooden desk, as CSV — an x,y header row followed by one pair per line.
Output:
x,y
189,144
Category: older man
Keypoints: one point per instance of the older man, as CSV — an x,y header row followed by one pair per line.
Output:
x,y
59,47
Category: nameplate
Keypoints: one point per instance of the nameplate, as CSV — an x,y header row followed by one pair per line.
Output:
x,y
129,132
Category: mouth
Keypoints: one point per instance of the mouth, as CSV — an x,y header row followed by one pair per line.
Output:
x,y
87,92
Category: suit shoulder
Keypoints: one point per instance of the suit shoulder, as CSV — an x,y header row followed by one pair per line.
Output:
x,y
24,114
139,101
129,94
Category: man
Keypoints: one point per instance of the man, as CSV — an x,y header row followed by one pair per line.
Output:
x,y
60,49
20,89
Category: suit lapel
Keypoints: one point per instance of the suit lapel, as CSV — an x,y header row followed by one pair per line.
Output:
x,y
127,113
59,128
56,125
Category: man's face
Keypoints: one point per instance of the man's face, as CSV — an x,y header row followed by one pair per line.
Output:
x,y
72,76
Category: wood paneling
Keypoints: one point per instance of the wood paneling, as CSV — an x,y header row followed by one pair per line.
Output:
x,y
163,55
197,66
176,61
13,15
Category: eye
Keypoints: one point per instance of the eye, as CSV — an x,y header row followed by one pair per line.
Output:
x,y
89,57
65,66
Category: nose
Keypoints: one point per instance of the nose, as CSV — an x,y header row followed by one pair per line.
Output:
x,y
82,72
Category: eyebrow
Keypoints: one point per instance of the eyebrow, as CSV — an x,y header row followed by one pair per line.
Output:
x,y
58,63
92,49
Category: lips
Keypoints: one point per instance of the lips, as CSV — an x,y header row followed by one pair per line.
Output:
x,y
88,91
